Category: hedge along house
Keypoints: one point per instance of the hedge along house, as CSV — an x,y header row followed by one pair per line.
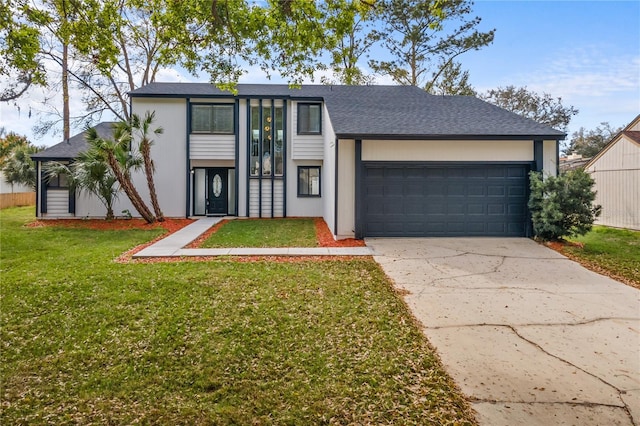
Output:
x,y
371,160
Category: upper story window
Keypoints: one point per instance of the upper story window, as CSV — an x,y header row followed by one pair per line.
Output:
x,y
309,119
58,181
212,118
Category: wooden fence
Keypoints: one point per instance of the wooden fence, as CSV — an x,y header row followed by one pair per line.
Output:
x,y
17,199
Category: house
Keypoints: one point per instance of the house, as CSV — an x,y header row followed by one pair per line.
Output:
x,y
616,171
572,162
371,160
54,199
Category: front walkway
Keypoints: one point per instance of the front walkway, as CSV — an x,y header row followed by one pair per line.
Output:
x,y
172,246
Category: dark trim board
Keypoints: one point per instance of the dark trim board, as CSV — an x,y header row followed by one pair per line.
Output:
x,y
442,199
452,137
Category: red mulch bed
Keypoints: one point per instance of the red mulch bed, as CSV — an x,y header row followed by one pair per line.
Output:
x,y
325,238
171,225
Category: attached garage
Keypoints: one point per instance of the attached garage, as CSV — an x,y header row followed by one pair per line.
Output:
x,y
423,199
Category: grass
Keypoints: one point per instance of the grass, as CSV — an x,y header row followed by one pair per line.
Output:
x,y
610,250
86,340
264,233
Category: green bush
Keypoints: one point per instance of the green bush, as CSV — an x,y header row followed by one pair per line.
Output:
x,y
562,206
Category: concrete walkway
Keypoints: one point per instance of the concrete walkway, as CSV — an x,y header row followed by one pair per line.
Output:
x,y
530,337
172,246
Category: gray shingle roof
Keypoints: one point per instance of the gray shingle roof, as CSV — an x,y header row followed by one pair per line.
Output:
x,y
75,145
384,111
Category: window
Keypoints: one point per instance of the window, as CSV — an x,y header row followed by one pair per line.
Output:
x,y
266,143
214,118
308,181
59,181
309,119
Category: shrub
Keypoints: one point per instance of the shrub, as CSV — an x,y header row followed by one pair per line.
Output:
x,y
563,205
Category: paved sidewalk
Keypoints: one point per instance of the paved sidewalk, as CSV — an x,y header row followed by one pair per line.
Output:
x,y
531,337
172,246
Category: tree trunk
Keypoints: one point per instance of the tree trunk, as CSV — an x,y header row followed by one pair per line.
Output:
x,y
66,128
130,190
145,150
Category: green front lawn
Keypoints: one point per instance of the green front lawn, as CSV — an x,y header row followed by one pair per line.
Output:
x,y
615,251
264,233
86,340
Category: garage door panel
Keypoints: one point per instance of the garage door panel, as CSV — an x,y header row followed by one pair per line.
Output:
x,y
476,191
476,209
429,199
496,209
496,191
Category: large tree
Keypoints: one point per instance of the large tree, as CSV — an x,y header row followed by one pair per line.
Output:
x,y
108,48
589,142
424,37
352,26
544,108
19,48
451,81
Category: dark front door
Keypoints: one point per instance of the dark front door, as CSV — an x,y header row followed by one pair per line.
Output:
x,y
217,191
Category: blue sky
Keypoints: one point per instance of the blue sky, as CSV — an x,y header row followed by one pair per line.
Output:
x,y
587,52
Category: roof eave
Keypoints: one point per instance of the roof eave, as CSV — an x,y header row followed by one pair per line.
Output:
x,y
448,137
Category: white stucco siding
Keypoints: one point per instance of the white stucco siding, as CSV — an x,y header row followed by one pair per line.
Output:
x,y
88,205
204,147
304,206
550,158
410,150
169,154
346,188
329,173
306,147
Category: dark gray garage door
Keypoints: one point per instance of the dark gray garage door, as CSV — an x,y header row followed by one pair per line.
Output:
x,y
436,200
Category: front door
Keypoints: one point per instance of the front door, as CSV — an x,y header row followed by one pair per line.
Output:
x,y
218,191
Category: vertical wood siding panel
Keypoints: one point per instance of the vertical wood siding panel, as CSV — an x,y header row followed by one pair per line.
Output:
x,y
278,200
253,198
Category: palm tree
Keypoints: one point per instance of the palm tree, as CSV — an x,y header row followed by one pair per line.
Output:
x,y
121,162
19,167
143,127
89,172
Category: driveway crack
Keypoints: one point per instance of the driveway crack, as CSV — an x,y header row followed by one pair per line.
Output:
x,y
619,391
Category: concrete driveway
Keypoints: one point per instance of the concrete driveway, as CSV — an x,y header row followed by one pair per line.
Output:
x,y
530,337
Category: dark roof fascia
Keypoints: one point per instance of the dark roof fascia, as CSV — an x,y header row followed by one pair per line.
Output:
x,y
450,137
51,158
229,96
